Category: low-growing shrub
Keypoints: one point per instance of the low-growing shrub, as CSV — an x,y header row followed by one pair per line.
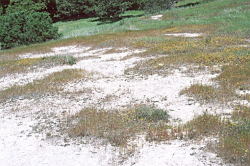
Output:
x,y
150,113
64,59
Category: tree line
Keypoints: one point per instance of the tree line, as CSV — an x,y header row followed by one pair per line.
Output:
x,y
23,22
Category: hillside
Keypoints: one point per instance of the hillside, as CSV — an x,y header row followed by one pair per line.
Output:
x,y
166,89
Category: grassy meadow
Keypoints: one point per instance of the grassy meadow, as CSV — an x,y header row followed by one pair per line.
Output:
x,y
223,47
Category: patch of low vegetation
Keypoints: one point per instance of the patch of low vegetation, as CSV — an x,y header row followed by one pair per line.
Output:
x,y
31,64
234,75
52,84
63,59
232,134
204,125
201,92
245,96
202,51
119,126
18,65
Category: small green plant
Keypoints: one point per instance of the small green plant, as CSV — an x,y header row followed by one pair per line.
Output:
x,y
63,59
151,114
48,135
69,59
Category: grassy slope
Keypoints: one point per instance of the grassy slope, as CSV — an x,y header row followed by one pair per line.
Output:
x,y
225,25
224,17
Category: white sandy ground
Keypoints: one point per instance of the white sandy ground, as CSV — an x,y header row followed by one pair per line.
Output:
x,y
109,88
185,34
156,17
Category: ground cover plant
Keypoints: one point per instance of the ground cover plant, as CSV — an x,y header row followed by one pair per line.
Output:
x,y
118,126
222,47
51,84
232,134
31,64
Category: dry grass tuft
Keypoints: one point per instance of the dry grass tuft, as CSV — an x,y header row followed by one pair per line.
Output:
x,y
50,84
232,134
201,92
204,125
31,64
118,127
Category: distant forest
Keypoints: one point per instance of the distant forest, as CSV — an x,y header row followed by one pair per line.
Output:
x,y
24,22
76,9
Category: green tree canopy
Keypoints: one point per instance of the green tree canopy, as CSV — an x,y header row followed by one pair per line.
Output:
x,y
73,9
22,28
3,5
25,5
111,8
153,6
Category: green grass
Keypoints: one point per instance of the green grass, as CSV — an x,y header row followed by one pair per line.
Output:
x,y
215,18
226,17
93,26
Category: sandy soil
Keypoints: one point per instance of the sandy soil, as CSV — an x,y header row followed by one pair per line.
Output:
x,y
156,17
108,88
185,34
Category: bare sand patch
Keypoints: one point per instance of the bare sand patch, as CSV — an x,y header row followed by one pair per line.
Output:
x,y
156,17
185,34
56,51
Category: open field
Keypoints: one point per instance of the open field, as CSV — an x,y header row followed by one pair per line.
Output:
x,y
167,90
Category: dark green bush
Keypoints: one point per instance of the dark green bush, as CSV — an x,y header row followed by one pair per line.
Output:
x,y
153,6
1,10
27,5
111,9
73,9
22,28
3,5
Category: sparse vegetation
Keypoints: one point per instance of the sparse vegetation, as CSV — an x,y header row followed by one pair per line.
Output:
x,y
118,127
201,92
222,49
63,59
232,134
12,66
50,84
